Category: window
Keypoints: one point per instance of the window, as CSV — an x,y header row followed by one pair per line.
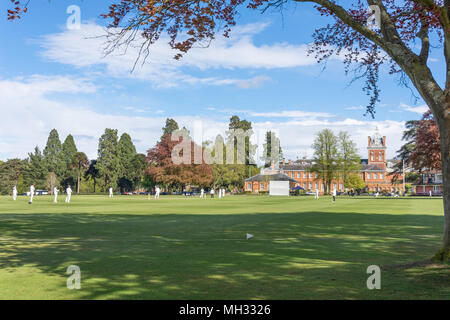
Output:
x,y
340,186
368,176
261,186
375,176
249,187
381,176
310,175
310,185
317,185
372,157
298,175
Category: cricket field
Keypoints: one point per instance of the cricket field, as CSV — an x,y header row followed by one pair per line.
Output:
x,y
130,247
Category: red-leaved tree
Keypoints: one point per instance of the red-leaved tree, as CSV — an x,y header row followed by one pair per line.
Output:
x,y
427,150
402,24
163,170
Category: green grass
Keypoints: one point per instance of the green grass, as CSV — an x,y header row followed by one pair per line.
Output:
x,y
184,248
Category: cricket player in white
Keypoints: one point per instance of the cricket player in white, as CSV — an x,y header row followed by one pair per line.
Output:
x,y
55,193
14,193
220,193
31,193
158,191
334,195
316,195
202,193
111,192
69,194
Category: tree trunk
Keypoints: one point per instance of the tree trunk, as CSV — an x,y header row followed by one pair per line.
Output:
x,y
444,129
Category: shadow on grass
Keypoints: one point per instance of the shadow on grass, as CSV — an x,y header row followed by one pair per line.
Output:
x,y
312,255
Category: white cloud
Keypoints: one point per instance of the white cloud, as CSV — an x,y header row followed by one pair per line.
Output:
x,y
355,108
29,112
84,48
291,114
419,109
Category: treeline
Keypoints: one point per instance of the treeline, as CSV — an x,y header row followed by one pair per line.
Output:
x,y
164,172
61,164
118,165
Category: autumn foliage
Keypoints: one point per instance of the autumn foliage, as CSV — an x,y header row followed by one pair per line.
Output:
x,y
162,169
427,152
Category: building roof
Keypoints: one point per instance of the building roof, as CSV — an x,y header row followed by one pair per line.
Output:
x,y
295,166
269,177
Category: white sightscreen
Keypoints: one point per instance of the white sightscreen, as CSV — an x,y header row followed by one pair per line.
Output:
x,y
279,188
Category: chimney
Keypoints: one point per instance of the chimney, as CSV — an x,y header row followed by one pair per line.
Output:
x,y
273,165
289,161
368,142
384,141
284,161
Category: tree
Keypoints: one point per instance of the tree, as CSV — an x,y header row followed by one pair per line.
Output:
x,y
427,152
354,182
171,126
422,150
11,173
126,151
409,135
163,170
272,150
36,170
137,169
348,158
325,159
108,161
53,153
92,173
393,42
69,149
80,163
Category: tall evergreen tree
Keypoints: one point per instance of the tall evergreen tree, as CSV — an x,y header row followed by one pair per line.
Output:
x,y
171,126
69,149
53,154
127,151
36,171
272,150
108,161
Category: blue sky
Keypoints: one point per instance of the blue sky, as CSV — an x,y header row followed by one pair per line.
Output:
x,y
52,77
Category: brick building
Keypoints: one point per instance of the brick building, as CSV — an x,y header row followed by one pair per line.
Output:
x,y
374,171
430,181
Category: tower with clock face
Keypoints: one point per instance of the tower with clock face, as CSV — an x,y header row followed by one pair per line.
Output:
x,y
377,150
